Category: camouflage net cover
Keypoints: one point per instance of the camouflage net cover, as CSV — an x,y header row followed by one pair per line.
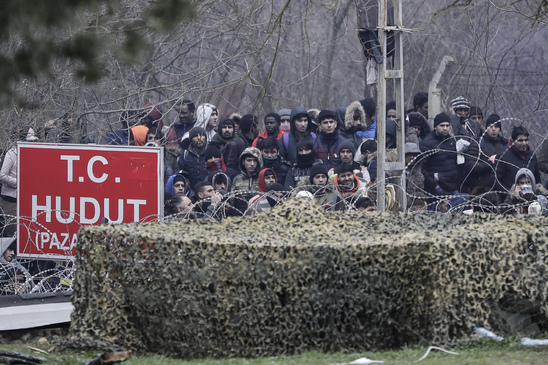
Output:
x,y
299,278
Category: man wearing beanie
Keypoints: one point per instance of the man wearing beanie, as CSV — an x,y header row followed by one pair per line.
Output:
x,y
249,130
272,124
480,156
461,125
327,144
192,160
285,116
440,168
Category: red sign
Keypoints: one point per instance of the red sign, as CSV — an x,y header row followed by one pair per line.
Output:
x,y
62,187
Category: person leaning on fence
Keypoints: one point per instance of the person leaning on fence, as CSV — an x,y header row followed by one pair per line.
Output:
x,y
439,167
524,191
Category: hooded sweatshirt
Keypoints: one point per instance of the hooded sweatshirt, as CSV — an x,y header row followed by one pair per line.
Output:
x,y
243,181
288,143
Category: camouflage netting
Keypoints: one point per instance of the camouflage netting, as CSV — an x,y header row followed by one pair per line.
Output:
x,y
300,278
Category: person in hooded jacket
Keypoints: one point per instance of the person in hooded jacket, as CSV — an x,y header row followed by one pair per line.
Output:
x,y
178,184
192,160
249,130
251,163
259,203
418,127
215,162
370,131
272,159
350,121
300,129
206,119
220,181
225,133
14,278
524,190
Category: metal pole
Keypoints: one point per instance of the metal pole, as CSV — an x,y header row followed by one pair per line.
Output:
x,y
381,106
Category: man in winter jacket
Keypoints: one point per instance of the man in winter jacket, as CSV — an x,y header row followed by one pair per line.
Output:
x,y
517,156
272,123
327,144
184,124
272,159
440,168
300,129
249,129
192,160
251,163
480,156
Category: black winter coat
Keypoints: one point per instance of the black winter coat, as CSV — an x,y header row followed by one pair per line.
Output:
x,y
443,162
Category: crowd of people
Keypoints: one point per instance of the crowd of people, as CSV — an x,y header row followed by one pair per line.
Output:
x,y
217,166
463,163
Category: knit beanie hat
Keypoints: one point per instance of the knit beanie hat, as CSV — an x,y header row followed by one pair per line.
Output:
x,y
460,102
326,113
153,111
317,169
416,119
195,131
441,118
211,151
284,113
348,144
493,119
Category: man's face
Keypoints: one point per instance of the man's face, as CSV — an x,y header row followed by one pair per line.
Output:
x,y
391,114
478,118
346,155
285,125
9,254
212,124
328,125
346,179
423,109
524,180
270,152
220,185
416,130
236,128
269,180
461,112
250,165
356,119
493,131
442,129
304,151
301,123
271,126
186,205
198,141
521,143
227,131
409,157
207,192
179,188
319,179
185,115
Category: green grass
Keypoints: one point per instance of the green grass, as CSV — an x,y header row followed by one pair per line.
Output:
x,y
481,352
